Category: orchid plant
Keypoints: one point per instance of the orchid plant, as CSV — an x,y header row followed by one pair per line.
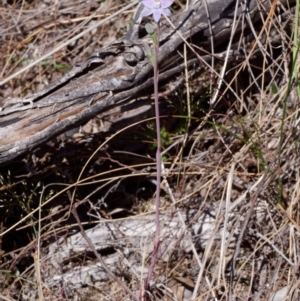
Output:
x,y
157,8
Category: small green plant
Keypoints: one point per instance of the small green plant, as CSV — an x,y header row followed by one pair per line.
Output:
x,y
166,140
55,66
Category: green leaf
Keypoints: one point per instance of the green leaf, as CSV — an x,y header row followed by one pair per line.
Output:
x,y
149,28
149,53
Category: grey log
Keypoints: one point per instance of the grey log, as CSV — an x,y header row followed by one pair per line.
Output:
x,y
119,73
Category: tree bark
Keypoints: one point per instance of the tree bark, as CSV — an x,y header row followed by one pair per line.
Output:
x,y
121,72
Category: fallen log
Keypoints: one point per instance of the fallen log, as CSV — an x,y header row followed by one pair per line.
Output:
x,y
131,238
121,71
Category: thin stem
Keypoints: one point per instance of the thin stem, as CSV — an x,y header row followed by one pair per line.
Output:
x,y
158,163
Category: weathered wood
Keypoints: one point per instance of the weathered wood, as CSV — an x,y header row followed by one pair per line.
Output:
x,y
117,74
133,238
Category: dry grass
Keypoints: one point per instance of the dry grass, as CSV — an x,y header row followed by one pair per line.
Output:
x,y
239,165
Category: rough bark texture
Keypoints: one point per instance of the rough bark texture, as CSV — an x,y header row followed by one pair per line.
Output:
x,y
121,72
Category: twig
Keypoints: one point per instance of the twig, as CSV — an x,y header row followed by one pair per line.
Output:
x,y
256,233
